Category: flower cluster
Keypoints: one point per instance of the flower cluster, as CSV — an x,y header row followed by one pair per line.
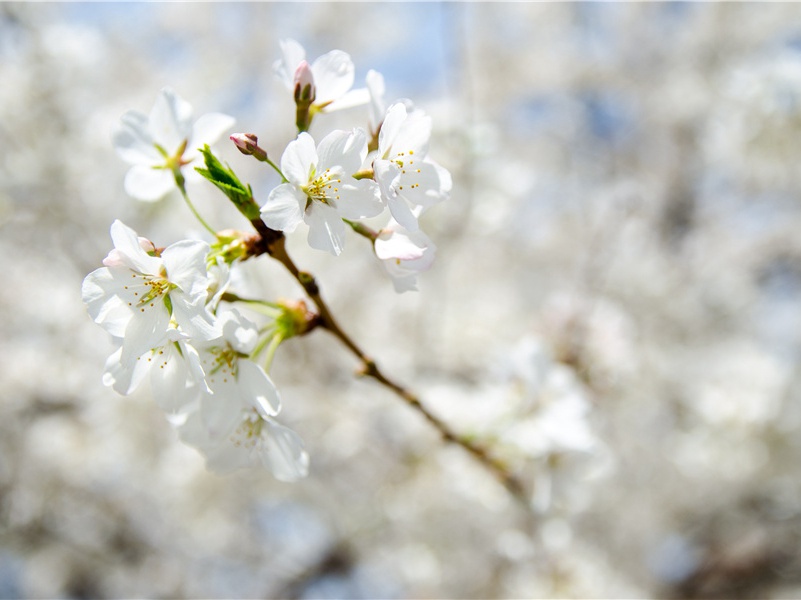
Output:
x,y
169,310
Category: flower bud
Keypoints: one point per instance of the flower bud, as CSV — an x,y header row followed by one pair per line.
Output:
x,y
305,91
245,142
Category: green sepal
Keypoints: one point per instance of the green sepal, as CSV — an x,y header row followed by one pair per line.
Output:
x,y
229,184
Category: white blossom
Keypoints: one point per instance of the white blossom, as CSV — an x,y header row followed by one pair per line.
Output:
x,y
406,176
139,297
320,190
162,142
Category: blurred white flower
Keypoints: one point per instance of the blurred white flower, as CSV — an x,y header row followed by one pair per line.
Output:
x,y
137,296
161,144
320,190
406,176
254,440
331,75
404,254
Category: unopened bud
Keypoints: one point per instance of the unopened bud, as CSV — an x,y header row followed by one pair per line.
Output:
x,y
245,142
305,91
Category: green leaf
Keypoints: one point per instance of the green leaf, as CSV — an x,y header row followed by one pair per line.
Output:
x,y
229,184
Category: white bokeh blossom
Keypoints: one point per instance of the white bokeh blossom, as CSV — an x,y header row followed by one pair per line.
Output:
x,y
321,191
332,76
162,143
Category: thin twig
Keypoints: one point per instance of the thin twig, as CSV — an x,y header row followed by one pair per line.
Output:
x,y
277,249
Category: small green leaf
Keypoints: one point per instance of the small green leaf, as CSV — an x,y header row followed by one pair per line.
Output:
x,y
229,184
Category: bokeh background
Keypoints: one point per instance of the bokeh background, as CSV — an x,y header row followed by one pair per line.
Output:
x,y
615,308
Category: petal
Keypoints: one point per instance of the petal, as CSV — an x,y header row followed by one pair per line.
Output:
x,y
413,135
424,184
207,130
257,389
170,121
193,317
146,330
293,53
284,208
168,380
133,141
220,413
326,229
104,305
394,118
282,452
401,244
402,213
376,89
298,160
346,149
360,199
357,97
185,263
148,184
124,377
333,75
130,251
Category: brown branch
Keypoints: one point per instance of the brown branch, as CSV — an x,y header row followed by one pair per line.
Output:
x,y
275,246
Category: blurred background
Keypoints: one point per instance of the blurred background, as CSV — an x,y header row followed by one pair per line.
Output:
x,y
614,307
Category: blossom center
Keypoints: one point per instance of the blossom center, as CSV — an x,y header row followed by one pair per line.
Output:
x,y
323,188
248,433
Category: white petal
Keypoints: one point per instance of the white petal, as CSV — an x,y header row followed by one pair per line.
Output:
x,y
424,183
346,149
401,244
169,375
170,121
359,200
357,97
133,141
326,229
376,89
207,130
282,452
130,251
284,208
220,413
298,160
124,377
333,75
394,118
193,317
105,307
185,262
402,213
257,389
148,184
147,330
293,53
413,135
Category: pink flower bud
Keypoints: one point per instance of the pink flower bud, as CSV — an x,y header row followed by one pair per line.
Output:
x,y
245,142
304,83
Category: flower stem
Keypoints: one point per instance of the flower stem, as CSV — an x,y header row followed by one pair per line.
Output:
x,y
181,183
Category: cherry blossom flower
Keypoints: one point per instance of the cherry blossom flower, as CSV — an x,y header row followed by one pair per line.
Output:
x,y
176,374
404,254
234,381
320,190
331,75
160,144
138,296
405,174
254,440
